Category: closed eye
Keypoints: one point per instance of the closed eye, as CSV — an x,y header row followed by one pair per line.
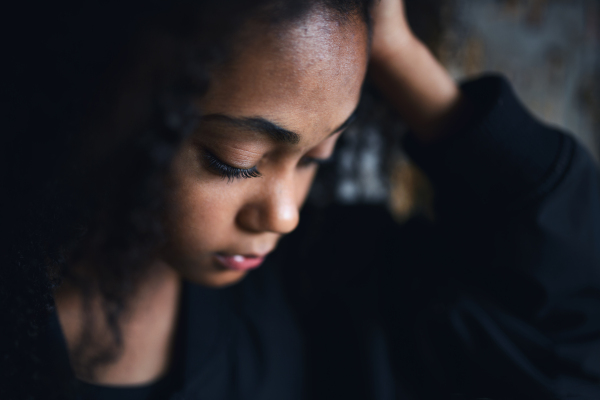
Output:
x,y
227,171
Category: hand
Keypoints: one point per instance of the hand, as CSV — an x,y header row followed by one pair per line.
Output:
x,y
390,28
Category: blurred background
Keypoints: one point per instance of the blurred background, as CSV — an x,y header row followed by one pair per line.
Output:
x,y
548,49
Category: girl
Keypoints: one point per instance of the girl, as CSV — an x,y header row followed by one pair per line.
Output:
x,y
159,153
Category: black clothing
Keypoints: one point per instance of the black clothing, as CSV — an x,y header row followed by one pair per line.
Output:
x,y
498,298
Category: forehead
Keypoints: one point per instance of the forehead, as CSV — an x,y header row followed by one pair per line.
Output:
x,y
305,76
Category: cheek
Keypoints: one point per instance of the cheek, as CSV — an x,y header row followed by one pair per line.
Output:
x,y
200,221
199,217
199,213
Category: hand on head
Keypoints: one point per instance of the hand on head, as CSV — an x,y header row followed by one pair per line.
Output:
x,y
390,28
415,83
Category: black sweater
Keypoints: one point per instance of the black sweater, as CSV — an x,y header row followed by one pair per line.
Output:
x,y
498,298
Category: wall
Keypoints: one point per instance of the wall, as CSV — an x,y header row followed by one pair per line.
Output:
x,y
549,49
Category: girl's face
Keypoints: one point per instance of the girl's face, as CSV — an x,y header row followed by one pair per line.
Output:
x,y
270,115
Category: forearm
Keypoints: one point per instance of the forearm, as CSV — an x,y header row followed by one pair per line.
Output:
x,y
419,88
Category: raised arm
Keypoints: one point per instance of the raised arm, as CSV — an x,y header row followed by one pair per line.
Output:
x,y
415,83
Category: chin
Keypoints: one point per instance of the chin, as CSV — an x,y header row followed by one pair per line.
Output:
x,y
205,274
216,280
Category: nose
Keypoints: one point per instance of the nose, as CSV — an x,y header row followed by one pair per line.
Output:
x,y
274,209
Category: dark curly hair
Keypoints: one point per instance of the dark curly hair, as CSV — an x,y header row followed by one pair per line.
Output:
x,y
98,100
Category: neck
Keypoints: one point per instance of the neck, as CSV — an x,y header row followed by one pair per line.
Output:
x,y
147,327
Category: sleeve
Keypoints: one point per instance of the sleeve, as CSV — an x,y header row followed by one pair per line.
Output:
x,y
517,253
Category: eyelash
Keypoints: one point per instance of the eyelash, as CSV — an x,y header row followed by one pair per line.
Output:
x,y
230,173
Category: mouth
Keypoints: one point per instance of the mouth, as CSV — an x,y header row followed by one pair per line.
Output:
x,y
239,262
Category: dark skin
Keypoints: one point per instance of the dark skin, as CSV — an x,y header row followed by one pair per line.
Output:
x,y
305,80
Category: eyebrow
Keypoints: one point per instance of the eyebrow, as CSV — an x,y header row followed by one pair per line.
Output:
x,y
271,129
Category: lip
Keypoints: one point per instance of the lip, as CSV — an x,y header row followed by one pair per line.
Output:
x,y
239,262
